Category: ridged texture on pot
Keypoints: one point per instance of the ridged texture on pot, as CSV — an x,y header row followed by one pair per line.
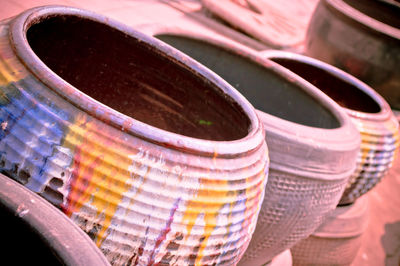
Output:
x,y
293,208
360,44
337,240
379,148
310,162
379,130
141,202
308,174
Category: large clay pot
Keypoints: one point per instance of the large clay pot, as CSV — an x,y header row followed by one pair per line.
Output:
x,y
361,37
369,112
155,157
337,240
312,143
35,232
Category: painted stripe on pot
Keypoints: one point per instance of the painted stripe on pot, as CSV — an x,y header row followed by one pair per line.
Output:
x,y
378,155
374,168
368,110
312,152
370,161
145,195
380,147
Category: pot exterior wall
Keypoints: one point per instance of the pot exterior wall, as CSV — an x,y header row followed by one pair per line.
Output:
x,y
293,208
337,240
380,139
141,202
310,162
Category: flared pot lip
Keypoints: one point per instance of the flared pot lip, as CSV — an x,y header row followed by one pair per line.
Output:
x,y
385,110
363,19
329,136
234,148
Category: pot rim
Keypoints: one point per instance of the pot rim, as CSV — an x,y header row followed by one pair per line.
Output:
x,y
385,110
210,148
278,131
255,57
364,19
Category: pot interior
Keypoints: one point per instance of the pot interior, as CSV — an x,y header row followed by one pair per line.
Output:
x,y
135,78
380,10
267,91
344,93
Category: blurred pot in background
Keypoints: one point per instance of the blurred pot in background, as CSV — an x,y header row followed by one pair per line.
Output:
x,y
361,37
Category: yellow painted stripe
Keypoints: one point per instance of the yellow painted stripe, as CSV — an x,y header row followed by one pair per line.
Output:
x,y
99,176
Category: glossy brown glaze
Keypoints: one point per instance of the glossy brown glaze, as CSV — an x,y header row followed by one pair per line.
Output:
x,y
126,75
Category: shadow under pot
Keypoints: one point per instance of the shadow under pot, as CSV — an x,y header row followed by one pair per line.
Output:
x,y
312,143
369,112
361,37
40,231
154,156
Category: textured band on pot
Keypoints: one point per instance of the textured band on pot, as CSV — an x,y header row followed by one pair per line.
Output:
x,y
155,157
338,239
312,143
361,37
370,113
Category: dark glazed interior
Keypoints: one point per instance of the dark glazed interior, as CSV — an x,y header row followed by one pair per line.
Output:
x,y
136,79
342,92
22,245
378,9
267,91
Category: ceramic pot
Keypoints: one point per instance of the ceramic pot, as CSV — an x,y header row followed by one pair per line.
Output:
x,y
155,157
369,112
337,240
313,144
361,37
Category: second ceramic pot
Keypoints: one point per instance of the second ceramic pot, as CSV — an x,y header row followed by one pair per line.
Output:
x,y
337,240
313,144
